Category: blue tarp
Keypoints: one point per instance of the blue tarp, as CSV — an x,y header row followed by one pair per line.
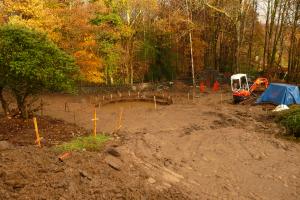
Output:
x,y
278,94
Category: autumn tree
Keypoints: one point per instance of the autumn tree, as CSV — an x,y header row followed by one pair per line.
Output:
x,y
31,14
78,37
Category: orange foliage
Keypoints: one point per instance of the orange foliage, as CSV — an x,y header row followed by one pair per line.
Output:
x,y
78,38
90,65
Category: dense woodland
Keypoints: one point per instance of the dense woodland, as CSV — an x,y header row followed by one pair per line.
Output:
x,y
127,41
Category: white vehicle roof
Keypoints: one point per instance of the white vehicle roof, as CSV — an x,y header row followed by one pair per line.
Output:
x,y
238,76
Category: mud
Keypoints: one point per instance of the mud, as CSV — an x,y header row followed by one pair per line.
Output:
x,y
202,148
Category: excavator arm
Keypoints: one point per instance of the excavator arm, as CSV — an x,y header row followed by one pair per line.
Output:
x,y
259,82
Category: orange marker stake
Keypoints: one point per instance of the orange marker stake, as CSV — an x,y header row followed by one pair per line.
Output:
x,y
38,139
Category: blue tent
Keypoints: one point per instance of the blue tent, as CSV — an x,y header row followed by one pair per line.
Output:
x,y
278,93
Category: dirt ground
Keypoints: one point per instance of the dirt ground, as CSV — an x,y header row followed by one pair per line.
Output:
x,y
204,148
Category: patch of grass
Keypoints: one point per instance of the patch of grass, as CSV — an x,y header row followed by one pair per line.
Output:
x,y
290,119
89,143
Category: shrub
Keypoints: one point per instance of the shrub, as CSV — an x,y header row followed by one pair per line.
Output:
x,y
290,119
30,63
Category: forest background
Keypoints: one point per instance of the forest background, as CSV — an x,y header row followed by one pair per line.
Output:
x,y
118,42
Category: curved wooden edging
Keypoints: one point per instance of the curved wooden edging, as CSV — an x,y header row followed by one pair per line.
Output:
x,y
159,100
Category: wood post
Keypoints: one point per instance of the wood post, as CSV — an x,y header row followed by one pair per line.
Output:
x,y
74,117
119,125
42,108
221,100
26,111
95,121
154,102
67,109
193,95
38,139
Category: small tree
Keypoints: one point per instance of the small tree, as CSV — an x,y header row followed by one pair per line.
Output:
x,y
30,63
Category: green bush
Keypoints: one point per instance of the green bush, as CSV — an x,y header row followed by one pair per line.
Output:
x,y
31,63
290,119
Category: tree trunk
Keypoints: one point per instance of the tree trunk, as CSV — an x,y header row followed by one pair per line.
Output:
x,y
131,73
278,32
21,106
266,34
191,45
3,102
291,51
254,4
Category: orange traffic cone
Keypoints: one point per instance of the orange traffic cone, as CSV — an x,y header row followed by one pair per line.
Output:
x,y
216,86
202,87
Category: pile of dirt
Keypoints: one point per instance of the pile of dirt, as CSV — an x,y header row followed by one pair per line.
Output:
x,y
29,172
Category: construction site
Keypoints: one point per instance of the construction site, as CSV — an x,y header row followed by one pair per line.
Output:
x,y
183,145
149,99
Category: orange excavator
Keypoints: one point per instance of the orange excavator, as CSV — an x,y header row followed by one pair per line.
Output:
x,y
241,90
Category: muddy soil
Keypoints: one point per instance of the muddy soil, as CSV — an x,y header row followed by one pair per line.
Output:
x,y
30,173
202,148
53,131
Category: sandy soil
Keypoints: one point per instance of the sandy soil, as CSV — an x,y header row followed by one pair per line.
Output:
x,y
198,149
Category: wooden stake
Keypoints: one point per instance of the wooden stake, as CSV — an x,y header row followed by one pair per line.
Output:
x,y
42,108
129,93
38,139
26,111
138,94
221,100
95,122
65,106
103,98
188,96
171,99
111,96
154,102
74,117
119,125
